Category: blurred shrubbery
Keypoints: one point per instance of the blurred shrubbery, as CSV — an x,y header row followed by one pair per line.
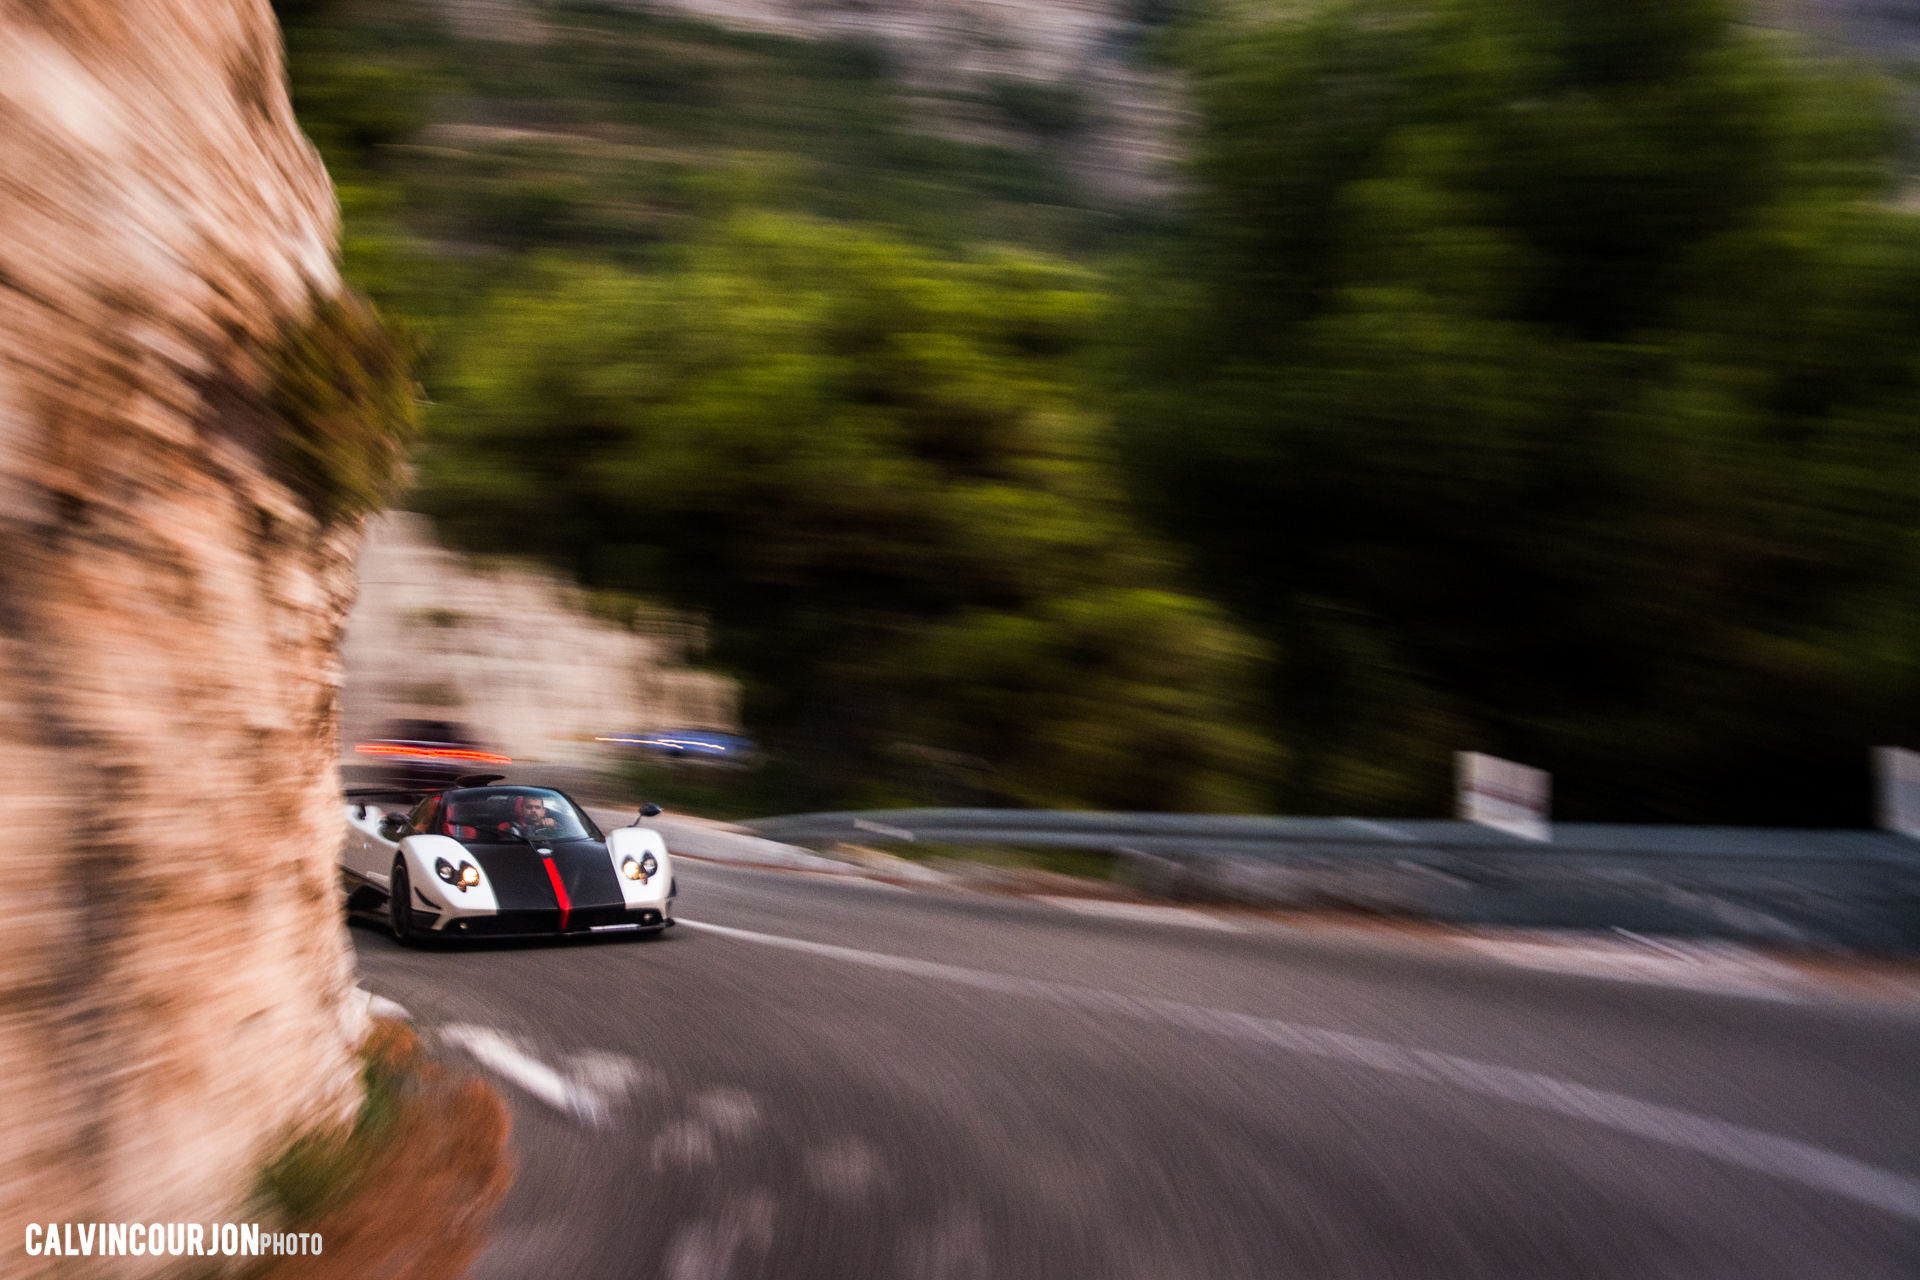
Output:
x,y
1532,376
1540,377
1042,106
872,469
344,386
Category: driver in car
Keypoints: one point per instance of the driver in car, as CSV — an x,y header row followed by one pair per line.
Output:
x,y
531,813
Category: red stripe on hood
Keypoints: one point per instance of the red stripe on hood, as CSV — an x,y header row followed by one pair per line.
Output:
x,y
559,890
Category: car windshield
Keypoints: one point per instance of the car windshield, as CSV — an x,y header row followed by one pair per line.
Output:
x,y
499,815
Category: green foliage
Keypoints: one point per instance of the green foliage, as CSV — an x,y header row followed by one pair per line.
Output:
x,y
321,1168
621,133
873,470
1114,698
1043,106
1541,378
710,790
831,443
356,104
1088,864
343,387
1535,376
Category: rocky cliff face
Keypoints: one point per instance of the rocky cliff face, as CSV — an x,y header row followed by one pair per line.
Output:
x,y
950,50
953,55
509,651
175,578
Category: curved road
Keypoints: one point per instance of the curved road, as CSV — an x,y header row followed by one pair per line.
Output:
x,y
842,1079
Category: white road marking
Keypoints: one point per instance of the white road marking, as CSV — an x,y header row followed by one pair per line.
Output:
x,y
1785,1158
844,1171
581,1095
381,1007
882,829
729,1111
718,1114
612,1074
1723,970
861,882
684,1144
1141,913
706,1249
1380,829
954,1246
364,1004
1664,948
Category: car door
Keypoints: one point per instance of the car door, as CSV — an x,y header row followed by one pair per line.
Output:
x,y
381,848
423,820
357,850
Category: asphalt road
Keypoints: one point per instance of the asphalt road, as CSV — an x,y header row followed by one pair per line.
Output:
x,y
849,1080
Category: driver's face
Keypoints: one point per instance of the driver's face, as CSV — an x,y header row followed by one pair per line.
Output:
x,y
537,810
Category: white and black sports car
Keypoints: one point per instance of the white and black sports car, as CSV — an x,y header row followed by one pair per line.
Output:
x,y
480,860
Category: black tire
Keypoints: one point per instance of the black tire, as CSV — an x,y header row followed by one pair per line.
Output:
x,y
400,903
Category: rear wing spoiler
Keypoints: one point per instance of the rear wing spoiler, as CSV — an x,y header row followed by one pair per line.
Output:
x,y
408,796
411,796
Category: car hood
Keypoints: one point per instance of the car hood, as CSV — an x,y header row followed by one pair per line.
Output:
x,y
521,880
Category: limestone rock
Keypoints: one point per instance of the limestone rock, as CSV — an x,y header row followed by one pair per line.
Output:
x,y
949,51
509,651
173,967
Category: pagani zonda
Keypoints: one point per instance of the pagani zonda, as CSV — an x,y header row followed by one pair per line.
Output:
x,y
499,861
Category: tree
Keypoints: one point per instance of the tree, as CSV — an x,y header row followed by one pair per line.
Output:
x,y
1540,377
871,468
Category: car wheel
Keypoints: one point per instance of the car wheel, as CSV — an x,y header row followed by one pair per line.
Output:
x,y
400,903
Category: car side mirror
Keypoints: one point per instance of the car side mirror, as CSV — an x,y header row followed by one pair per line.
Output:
x,y
394,827
649,810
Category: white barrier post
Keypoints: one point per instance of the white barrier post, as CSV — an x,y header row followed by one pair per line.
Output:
x,y
1501,794
1896,773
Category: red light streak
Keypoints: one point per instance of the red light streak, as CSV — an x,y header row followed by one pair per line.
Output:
x,y
433,753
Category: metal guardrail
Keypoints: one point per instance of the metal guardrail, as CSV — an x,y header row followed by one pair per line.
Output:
x,y
1851,888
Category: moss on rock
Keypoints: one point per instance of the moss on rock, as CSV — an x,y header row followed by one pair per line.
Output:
x,y
343,384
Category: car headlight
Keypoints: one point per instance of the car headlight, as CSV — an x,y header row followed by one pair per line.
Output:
x,y
445,871
633,870
469,875
647,864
